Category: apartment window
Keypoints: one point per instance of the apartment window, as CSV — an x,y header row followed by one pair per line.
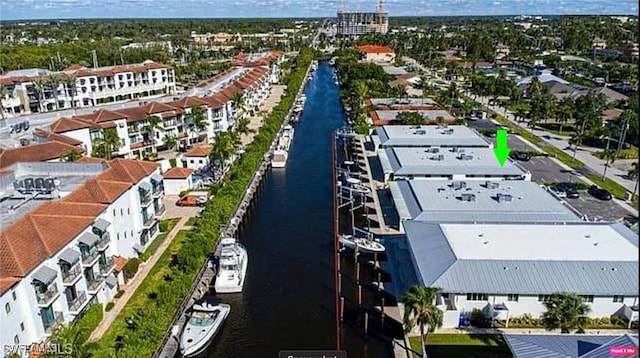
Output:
x,y
16,339
477,297
513,297
128,211
544,298
587,298
131,233
13,294
192,161
7,308
22,326
618,299
118,235
125,234
121,212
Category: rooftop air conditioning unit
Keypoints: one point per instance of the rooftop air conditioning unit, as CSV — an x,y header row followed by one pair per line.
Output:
x,y
468,197
505,198
492,184
457,185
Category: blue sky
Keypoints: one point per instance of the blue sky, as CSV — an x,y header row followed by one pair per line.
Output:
x,y
54,9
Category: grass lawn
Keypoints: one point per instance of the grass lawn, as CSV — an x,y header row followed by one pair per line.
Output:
x,y
153,246
168,223
463,345
567,130
563,157
614,188
191,221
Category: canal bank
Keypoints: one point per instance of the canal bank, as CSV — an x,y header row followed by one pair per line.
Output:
x,y
288,300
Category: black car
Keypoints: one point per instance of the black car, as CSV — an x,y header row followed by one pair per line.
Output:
x,y
521,156
569,189
599,193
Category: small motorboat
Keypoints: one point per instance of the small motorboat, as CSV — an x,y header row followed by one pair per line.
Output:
x,y
204,322
233,267
346,132
364,245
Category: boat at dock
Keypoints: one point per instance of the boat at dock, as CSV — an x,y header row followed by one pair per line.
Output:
x,y
363,245
232,267
205,321
281,154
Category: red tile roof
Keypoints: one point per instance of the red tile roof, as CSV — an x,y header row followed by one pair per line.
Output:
x,y
375,49
119,263
188,102
57,137
66,124
159,107
40,152
103,115
202,151
177,173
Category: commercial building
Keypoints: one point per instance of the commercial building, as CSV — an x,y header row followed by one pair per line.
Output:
x,y
61,226
508,270
477,201
447,163
356,23
571,345
399,136
29,91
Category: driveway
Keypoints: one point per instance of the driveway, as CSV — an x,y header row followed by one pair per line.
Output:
x,y
174,211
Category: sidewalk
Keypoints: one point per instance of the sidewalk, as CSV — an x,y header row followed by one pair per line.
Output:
x,y
129,290
583,154
473,330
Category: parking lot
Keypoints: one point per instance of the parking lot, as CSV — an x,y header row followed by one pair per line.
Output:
x,y
544,170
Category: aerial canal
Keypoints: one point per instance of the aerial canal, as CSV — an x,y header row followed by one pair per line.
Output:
x,y
288,301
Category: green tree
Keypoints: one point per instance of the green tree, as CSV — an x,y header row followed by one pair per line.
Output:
x,y
3,93
74,338
223,147
54,81
576,141
420,310
243,125
609,157
566,311
198,121
171,141
154,123
410,118
565,112
69,82
238,100
105,146
39,85
71,156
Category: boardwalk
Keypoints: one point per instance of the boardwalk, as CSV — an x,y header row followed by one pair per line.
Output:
x,y
130,289
170,344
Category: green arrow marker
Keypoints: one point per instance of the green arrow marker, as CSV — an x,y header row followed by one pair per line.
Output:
x,y
501,149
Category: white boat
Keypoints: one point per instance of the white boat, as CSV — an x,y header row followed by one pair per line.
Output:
x,y
297,108
205,321
232,267
279,159
346,132
281,154
355,185
287,137
364,245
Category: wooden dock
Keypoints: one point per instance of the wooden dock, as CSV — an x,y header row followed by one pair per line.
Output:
x,y
170,344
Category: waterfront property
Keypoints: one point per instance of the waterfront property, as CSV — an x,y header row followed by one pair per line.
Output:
x,y
178,180
355,23
62,226
377,54
447,163
508,270
429,136
477,201
93,86
434,116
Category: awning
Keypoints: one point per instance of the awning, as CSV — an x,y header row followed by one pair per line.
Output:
x,y
45,275
145,186
111,281
156,178
138,247
70,256
101,224
89,239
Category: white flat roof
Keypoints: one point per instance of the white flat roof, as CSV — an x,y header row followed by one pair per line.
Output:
x,y
478,162
430,136
539,242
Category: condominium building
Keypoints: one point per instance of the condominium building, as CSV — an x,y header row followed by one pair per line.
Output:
x,y
356,23
508,270
30,91
61,226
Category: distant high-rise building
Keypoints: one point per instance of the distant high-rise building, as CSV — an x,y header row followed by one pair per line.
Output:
x,y
353,23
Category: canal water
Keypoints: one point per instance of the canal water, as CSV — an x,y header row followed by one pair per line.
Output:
x,y
288,301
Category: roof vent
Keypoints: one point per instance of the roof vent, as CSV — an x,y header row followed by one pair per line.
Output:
x,y
614,269
454,149
457,185
596,243
420,132
448,131
505,268
587,236
468,197
486,242
439,157
465,157
432,150
491,184
441,189
504,198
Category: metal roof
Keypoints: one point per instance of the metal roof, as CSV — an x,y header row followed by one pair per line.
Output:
x,y
430,136
420,162
564,345
70,256
440,201
88,238
462,266
45,275
101,224
430,114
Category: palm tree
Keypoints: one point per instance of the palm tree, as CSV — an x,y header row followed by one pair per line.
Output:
x,y
153,123
3,92
198,122
609,157
69,82
566,311
564,112
419,309
243,125
39,85
75,337
170,141
105,146
54,81
633,174
238,100
71,156
223,147
576,141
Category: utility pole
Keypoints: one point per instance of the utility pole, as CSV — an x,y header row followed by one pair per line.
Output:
x,y
95,58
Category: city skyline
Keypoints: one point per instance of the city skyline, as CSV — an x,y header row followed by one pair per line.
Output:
x,y
99,9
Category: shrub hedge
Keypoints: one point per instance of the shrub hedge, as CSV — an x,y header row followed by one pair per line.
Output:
x,y
141,326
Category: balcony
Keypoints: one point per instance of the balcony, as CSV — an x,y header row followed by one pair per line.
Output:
x,y
148,221
158,190
107,267
50,327
47,297
76,305
133,130
90,259
145,199
160,210
104,241
94,284
70,277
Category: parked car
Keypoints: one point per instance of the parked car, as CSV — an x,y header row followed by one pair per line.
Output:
x,y
569,189
191,200
521,156
599,193
558,191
